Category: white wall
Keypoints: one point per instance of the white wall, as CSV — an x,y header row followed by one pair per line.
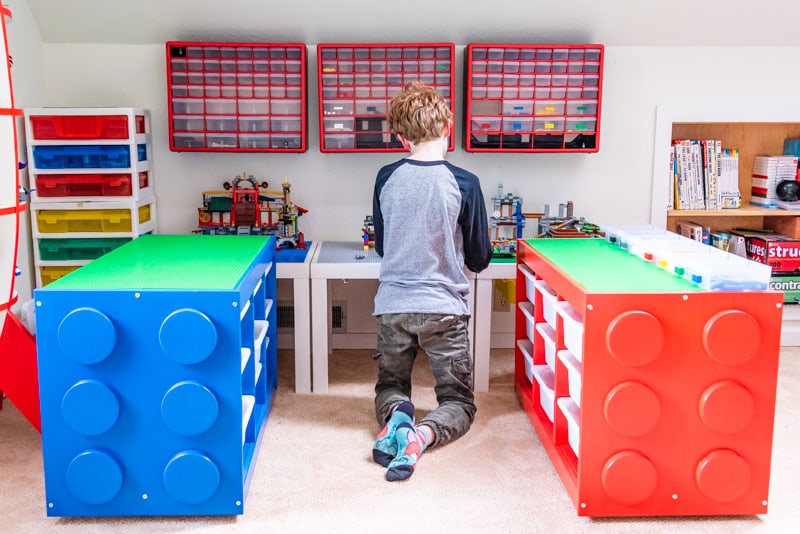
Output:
x,y
28,83
612,186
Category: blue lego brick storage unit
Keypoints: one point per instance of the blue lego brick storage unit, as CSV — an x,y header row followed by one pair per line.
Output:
x,y
157,369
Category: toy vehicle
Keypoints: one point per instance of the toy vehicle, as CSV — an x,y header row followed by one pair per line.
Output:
x,y
246,207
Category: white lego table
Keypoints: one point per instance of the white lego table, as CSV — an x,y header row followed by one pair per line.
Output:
x,y
340,260
299,273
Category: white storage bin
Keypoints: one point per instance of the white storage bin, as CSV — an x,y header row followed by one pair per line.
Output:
x,y
485,124
549,300
285,124
220,106
526,347
530,283
253,124
338,124
546,379
286,107
573,328
517,107
339,141
371,107
573,415
549,107
253,141
337,107
550,124
574,371
221,124
527,310
517,124
253,107
581,124
582,107
183,106
188,123
548,334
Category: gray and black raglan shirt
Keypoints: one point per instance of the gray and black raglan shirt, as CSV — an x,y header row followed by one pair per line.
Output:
x,y
430,221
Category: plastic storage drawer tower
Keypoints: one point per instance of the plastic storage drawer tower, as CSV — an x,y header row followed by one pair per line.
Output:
x,y
160,411
651,394
92,184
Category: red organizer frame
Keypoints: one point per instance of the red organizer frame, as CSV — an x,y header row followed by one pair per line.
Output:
x,y
347,94
251,81
684,430
530,90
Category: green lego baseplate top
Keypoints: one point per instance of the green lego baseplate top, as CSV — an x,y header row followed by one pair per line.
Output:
x,y
602,267
170,262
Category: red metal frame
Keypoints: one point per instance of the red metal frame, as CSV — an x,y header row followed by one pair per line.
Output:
x,y
365,76
237,97
677,398
533,97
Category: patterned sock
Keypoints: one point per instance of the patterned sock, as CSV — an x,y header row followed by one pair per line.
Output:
x,y
410,444
385,448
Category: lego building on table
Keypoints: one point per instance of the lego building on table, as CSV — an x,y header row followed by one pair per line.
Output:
x,y
160,411
651,395
246,207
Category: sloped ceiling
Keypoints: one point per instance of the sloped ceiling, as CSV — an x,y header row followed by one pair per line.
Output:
x,y
613,22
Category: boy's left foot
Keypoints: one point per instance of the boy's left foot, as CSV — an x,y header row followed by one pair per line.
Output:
x,y
408,451
385,448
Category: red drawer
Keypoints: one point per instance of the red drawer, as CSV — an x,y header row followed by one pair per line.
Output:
x,y
75,185
82,126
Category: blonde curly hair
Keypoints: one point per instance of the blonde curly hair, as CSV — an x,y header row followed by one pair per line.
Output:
x,y
419,113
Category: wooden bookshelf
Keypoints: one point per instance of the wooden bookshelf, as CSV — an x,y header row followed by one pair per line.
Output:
x,y
753,130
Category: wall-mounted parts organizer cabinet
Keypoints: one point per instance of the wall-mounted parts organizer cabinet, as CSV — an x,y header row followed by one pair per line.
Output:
x,y
92,184
161,410
236,97
533,97
357,82
651,396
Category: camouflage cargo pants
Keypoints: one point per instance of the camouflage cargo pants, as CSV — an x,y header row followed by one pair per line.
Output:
x,y
445,339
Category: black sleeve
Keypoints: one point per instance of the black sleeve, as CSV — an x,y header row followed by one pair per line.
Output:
x,y
474,224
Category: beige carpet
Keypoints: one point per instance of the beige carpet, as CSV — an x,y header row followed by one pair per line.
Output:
x,y
315,474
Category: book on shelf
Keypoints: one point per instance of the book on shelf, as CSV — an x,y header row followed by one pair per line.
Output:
x,y
768,172
695,231
704,176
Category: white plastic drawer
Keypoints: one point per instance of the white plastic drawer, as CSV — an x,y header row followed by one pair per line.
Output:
x,y
573,328
549,300
337,107
548,334
526,347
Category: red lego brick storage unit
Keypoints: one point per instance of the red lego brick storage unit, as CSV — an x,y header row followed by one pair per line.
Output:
x,y
236,97
357,82
652,396
533,97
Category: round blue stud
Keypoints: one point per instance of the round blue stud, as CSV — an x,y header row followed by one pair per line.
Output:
x,y
189,408
187,336
191,477
94,477
86,335
90,407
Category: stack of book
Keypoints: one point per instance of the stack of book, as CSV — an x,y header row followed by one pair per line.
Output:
x,y
705,176
768,172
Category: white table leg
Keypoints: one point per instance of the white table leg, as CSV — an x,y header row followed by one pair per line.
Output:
x,y
320,333
302,335
482,319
